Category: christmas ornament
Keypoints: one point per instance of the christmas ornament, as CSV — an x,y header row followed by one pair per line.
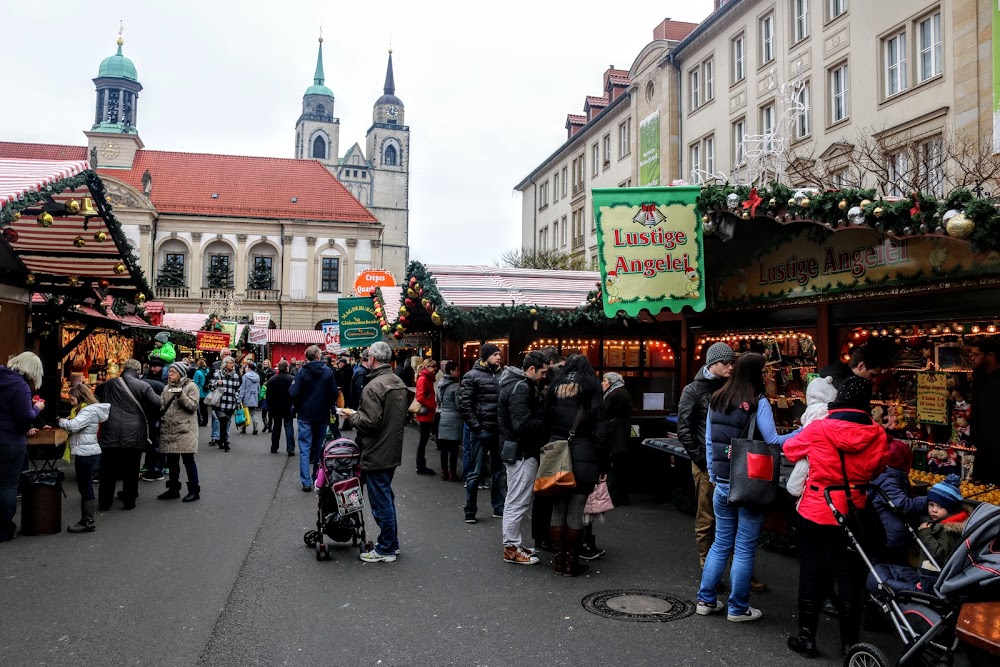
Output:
x,y
140,298
751,204
119,269
88,208
959,226
804,203
533,311
412,293
923,228
773,203
745,215
101,236
79,242
74,281
429,307
11,235
402,310
732,201
400,328
44,219
30,279
104,283
878,212
385,328
17,216
397,335
424,302
436,319
842,205
72,206
791,202
856,216
704,219
907,231
709,227
866,202
799,197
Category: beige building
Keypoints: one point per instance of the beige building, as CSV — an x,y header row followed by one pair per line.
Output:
x,y
601,151
833,93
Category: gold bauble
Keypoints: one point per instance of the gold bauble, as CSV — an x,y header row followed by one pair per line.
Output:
x,y
533,311
140,298
704,218
72,206
119,269
773,203
74,281
79,242
436,319
878,212
865,202
842,205
44,219
400,328
101,236
959,226
30,279
402,310
791,202
385,329
16,216
410,293
805,202
745,215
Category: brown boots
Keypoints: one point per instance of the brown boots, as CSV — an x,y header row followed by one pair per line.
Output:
x,y
566,551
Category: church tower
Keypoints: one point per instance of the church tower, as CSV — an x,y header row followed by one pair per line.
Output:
x,y
388,149
113,139
317,132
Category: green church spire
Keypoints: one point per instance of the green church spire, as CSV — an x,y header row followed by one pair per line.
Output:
x,y
318,87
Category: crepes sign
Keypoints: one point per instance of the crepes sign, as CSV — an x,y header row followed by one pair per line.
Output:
x,y
650,249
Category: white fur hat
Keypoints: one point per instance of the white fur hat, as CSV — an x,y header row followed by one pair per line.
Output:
x,y
821,390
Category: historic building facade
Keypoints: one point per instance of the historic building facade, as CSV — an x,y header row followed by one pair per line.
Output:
x,y
283,236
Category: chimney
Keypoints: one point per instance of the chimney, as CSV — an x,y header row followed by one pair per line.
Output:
x,y
660,31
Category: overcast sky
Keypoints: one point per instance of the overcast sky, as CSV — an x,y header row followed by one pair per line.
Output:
x,y
486,86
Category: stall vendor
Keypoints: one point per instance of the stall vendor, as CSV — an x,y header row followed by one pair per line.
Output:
x,y
984,425
866,362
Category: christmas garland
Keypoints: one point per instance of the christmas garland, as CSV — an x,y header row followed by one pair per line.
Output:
x,y
961,215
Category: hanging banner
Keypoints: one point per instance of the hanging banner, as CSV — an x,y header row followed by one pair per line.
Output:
x,y
212,341
262,320
331,335
368,281
649,150
257,336
649,244
932,399
358,323
229,328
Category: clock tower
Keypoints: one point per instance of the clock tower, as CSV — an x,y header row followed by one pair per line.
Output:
x,y
113,139
317,132
388,148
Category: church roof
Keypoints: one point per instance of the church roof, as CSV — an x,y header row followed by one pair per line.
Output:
x,y
318,78
118,66
246,187
389,89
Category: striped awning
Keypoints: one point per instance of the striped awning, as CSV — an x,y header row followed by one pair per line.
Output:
x,y
472,286
298,336
19,177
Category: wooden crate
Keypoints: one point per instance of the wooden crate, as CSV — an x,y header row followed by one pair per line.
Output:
x,y
48,436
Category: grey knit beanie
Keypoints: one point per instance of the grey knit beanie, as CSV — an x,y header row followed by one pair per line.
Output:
x,y
719,352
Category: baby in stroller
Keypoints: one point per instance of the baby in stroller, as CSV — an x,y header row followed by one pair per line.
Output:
x,y
339,498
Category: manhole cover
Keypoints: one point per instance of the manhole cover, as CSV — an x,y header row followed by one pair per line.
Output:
x,y
626,604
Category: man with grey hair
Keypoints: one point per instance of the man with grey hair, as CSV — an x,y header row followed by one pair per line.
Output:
x,y
380,421
125,434
314,394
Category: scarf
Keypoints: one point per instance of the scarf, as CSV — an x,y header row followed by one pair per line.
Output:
x,y
613,386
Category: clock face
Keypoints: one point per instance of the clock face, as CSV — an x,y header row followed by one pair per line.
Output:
x,y
391,112
110,150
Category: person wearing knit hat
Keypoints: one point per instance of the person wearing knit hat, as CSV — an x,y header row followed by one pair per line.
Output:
x,y
719,352
479,402
179,432
944,498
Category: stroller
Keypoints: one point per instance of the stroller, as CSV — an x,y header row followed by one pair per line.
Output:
x,y
340,499
925,621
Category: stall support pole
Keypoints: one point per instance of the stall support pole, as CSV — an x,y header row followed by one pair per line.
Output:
x,y
684,351
824,353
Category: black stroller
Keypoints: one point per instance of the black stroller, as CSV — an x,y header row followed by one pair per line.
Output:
x,y
925,622
340,500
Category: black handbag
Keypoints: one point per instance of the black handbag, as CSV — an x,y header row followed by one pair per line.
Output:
x,y
865,524
754,466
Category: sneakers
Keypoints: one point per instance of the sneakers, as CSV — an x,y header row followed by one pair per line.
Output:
x,y
152,477
588,553
470,518
751,614
484,487
517,556
704,608
497,515
375,557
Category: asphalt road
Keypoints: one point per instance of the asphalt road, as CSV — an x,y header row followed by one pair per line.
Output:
x,y
228,581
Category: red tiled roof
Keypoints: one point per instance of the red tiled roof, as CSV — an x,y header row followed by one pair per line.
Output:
x,y
597,101
574,119
620,79
247,187
673,30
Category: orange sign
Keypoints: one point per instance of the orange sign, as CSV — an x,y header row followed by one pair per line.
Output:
x,y
368,281
212,341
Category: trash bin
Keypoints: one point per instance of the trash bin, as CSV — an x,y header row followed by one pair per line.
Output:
x,y
41,502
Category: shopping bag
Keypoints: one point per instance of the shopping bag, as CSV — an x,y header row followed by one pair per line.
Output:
x,y
754,467
599,500
555,469
240,416
416,407
214,398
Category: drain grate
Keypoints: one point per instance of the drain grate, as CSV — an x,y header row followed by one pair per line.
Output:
x,y
642,606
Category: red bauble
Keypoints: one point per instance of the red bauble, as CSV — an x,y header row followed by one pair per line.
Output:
x,y
429,307
413,281
397,335
421,292
402,320
11,235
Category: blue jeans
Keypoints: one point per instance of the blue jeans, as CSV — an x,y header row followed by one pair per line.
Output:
x,y
311,437
215,426
382,503
737,531
12,459
477,448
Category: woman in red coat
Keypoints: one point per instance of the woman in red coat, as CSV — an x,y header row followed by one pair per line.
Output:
x,y
428,407
846,439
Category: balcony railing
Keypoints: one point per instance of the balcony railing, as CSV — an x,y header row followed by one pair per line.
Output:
x,y
209,293
172,292
262,294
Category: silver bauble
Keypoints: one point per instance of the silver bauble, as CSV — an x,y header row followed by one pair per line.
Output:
x,y
856,216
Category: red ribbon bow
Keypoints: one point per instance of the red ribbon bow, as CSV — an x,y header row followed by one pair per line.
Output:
x,y
916,206
752,202
649,210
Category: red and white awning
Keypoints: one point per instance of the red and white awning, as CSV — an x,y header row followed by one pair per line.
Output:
x,y
296,336
19,177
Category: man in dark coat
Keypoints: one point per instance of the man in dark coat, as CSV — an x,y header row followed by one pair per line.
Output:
x,y
692,412
478,405
866,361
358,379
344,372
152,469
381,420
124,435
984,426
279,407
266,373
314,395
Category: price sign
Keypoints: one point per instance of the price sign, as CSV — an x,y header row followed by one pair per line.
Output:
x,y
932,398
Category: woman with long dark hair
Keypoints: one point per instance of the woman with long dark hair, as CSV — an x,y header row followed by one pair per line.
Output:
x,y
737,529
576,397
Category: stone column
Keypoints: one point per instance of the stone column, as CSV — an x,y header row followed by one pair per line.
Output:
x,y
195,279
350,266
312,289
286,279
242,261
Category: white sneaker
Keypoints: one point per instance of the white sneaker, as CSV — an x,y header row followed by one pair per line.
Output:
x,y
704,609
751,614
375,557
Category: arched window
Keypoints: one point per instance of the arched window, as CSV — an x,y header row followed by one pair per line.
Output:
x,y
319,148
390,156
320,110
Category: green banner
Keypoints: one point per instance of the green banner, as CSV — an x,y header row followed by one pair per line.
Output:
x,y
649,244
649,150
230,328
358,323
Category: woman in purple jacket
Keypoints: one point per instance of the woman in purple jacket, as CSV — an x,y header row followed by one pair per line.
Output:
x,y
18,380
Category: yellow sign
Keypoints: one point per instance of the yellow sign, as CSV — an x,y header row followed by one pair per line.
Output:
x,y
649,243
847,260
932,398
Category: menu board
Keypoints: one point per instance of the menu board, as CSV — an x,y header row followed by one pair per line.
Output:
x,y
932,398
